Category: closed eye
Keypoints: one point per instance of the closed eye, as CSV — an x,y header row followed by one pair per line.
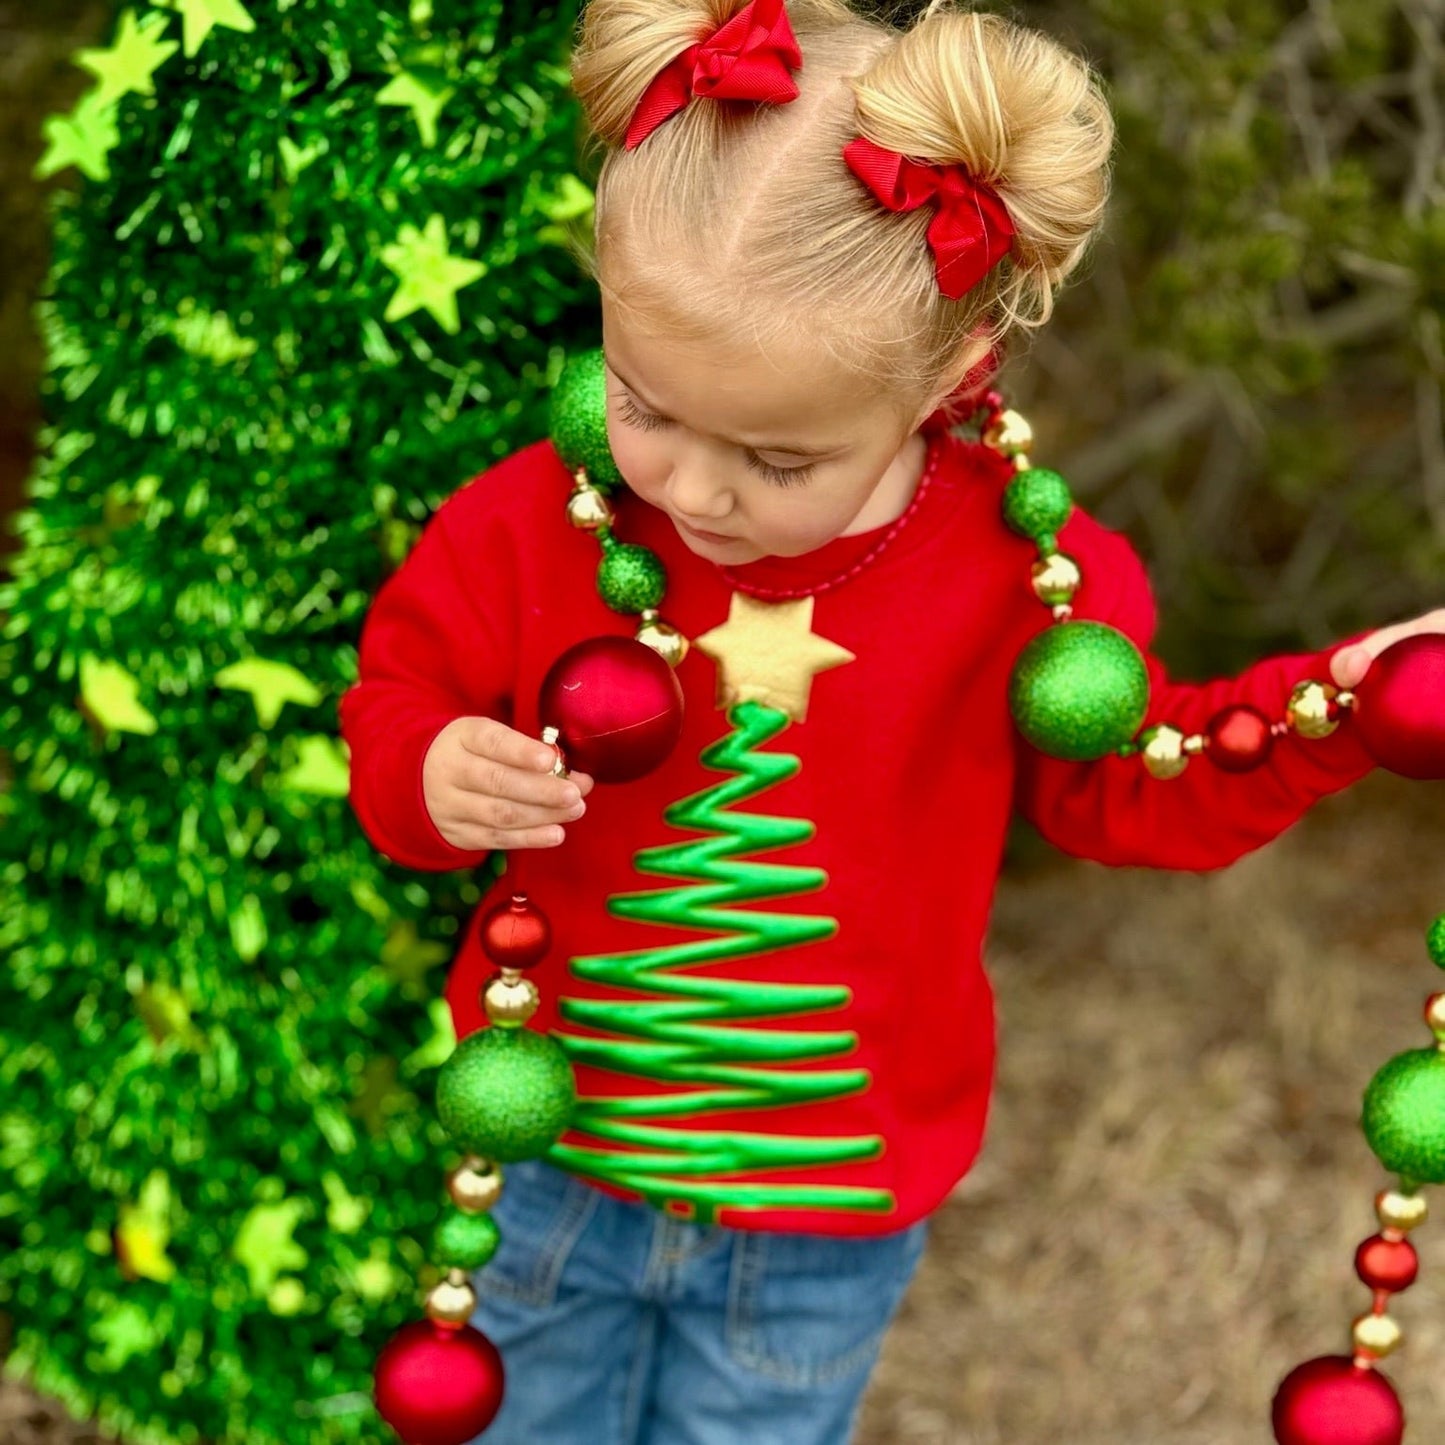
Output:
x,y
633,415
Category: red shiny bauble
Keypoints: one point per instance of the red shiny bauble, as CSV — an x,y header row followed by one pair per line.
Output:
x,y
617,705
1400,707
438,1384
1239,738
1390,1264
1333,1401
516,934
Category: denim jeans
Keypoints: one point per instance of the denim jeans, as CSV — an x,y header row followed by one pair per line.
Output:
x,y
621,1325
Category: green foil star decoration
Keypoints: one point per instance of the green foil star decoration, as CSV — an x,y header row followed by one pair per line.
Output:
x,y
200,17
84,139
109,692
423,97
125,1329
295,158
430,275
264,1244
322,768
134,56
271,685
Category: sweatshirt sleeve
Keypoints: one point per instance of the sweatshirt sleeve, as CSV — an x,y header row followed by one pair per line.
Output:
x,y
1112,810
436,644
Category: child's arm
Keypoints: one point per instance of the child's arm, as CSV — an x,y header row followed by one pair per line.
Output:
x,y
1113,810
435,645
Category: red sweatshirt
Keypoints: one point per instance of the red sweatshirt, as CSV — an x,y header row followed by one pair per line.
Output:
x,y
849,1093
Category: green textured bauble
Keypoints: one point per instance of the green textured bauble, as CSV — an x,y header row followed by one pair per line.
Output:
x,y
506,1094
577,420
1435,941
1079,690
630,577
465,1241
1404,1115
1036,502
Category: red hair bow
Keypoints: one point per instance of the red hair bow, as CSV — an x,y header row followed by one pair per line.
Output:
x,y
971,231
748,57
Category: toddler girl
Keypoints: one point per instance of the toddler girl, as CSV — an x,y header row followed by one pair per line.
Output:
x,y
813,234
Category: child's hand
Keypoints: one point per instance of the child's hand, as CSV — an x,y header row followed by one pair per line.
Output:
x,y
1350,664
489,786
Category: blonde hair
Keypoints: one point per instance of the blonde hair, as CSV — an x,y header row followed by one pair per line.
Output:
x,y
742,219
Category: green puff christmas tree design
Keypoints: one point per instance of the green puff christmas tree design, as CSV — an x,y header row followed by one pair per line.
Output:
x,y
695,1030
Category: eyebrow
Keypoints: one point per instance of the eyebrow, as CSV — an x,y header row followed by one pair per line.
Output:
x,y
737,441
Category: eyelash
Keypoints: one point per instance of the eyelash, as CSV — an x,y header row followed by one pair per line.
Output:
x,y
778,476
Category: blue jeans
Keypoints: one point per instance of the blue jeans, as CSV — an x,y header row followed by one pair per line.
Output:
x,y
621,1325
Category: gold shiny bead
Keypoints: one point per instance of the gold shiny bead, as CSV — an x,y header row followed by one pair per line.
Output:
x,y
1056,578
510,1002
1022,463
1009,434
1308,709
1163,750
1062,612
1376,1335
663,638
453,1301
1435,1016
588,509
1400,1211
1195,744
1344,699
475,1184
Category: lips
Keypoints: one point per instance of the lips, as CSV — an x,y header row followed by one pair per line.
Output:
x,y
707,536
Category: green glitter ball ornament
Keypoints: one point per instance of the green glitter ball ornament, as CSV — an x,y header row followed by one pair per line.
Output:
x,y
506,1094
630,577
577,420
465,1241
1404,1115
1036,503
1079,690
1435,941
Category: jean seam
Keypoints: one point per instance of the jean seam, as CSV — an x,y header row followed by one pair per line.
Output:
x,y
540,1289
750,1259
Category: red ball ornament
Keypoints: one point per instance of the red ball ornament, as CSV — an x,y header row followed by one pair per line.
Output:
x,y
1239,738
617,705
1390,1264
1333,1401
438,1384
1400,707
516,934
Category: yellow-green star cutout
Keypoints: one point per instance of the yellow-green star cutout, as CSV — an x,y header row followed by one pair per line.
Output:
x,y
769,653
200,17
425,102
430,275
271,685
84,138
132,58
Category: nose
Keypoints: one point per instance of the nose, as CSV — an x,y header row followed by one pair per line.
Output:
x,y
698,502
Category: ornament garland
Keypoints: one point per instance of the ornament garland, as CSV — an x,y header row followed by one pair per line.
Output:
x,y
1079,690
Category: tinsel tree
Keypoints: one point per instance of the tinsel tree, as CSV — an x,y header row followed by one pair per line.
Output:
x,y
691,1030
311,271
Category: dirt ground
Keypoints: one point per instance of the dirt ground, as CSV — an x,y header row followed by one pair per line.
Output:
x,y
1163,1220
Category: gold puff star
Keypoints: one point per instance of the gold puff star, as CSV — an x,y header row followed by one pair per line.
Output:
x,y
768,652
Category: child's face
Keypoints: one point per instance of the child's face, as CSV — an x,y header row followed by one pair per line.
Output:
x,y
721,441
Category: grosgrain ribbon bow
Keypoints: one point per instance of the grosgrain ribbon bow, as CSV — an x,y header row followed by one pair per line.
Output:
x,y
971,231
748,57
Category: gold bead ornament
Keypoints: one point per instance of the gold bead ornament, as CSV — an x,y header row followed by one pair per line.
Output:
x,y
587,508
662,637
1396,1210
1056,578
1308,709
509,999
1163,750
453,1301
1376,1335
475,1184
